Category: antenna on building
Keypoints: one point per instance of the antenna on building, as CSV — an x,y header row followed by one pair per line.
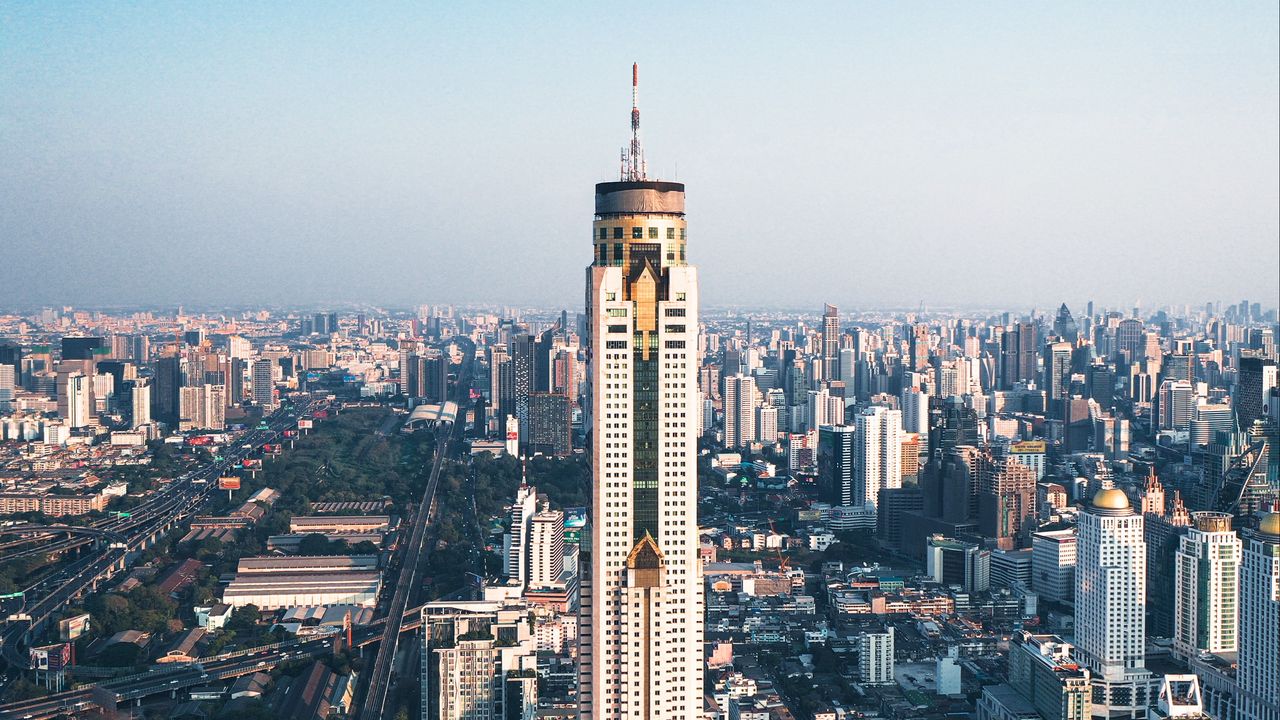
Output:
x,y
633,166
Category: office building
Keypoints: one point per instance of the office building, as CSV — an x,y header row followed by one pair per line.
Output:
x,y
836,464
516,550
767,424
640,624
831,343
877,454
546,549
1206,594
1258,671
550,424
1110,599
1257,376
263,383
915,410
739,410
952,562
1053,565
1042,670
479,662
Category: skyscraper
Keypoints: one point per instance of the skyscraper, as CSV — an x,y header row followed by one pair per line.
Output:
x,y
263,383
877,454
640,622
1206,578
836,464
1259,656
1110,620
739,417
831,343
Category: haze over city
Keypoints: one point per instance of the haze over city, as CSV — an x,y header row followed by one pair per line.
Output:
x,y
873,155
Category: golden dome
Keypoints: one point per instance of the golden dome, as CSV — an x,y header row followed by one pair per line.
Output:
x,y
1111,499
1270,524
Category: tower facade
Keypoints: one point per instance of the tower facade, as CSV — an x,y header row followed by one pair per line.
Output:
x,y
1110,621
1206,594
640,622
1259,659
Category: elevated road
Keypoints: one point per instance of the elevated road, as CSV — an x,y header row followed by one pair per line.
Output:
x,y
407,584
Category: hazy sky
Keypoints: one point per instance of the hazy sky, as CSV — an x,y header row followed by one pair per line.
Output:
x,y
870,154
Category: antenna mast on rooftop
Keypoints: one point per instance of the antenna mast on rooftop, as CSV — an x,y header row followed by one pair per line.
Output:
x,y
633,169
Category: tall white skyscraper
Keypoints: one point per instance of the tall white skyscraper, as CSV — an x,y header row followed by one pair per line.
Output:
x,y
1206,592
739,410
877,454
263,383
767,424
546,549
1258,672
640,622
516,563
1111,588
141,398
915,410
79,400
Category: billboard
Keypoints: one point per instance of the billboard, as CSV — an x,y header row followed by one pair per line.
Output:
x,y
575,517
73,627
305,424
573,536
200,440
290,433
228,483
251,463
50,657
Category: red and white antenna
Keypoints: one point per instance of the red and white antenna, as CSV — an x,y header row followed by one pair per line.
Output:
x,y
633,168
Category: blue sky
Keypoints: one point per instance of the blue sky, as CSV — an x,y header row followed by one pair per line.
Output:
x,y
870,154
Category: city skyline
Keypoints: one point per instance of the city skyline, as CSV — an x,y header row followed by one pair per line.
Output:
x,y
955,159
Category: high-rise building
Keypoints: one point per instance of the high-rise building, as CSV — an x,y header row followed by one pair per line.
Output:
x,y
877,454
479,662
263,383
1057,374
767,424
1206,594
875,657
831,343
516,550
918,348
640,623
1177,401
79,393
1006,500
546,549
80,348
836,464
550,424
1018,353
953,562
1110,599
1258,671
165,402
915,410
739,410
140,399
1053,564
1256,378
1042,670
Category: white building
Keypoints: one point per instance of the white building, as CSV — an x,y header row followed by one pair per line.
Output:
x,y
1110,604
79,400
767,424
915,410
641,616
1258,673
1206,594
875,657
877,454
546,549
516,542
739,410
1053,565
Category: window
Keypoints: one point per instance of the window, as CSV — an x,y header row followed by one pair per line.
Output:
x,y
680,297
653,233
637,233
617,312
675,328
604,233
675,312
615,344
617,253
617,328
671,233
682,230
675,344
617,233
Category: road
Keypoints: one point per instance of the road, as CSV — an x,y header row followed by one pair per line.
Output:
x,y
414,553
